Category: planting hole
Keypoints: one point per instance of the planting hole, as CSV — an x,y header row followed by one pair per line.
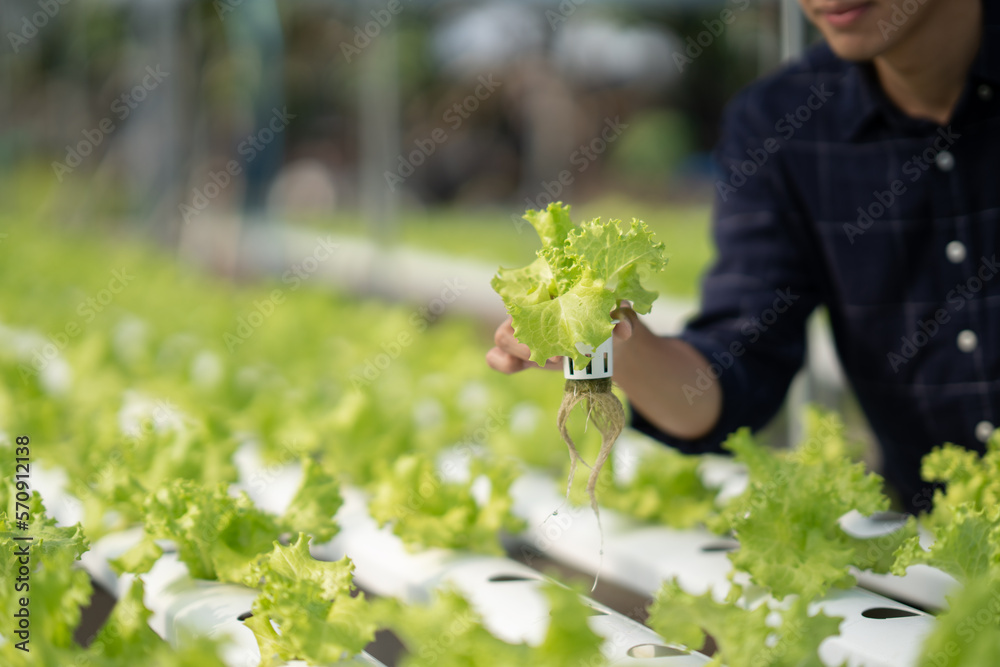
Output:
x,y
723,545
244,616
886,612
504,578
656,651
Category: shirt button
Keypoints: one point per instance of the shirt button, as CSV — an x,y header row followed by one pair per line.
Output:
x,y
985,93
984,430
945,161
967,340
955,252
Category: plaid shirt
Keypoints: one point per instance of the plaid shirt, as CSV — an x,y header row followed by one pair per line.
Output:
x,y
827,194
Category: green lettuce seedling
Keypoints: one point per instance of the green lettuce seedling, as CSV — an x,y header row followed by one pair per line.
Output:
x,y
561,305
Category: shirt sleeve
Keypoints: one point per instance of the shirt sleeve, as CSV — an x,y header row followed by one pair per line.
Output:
x,y
761,289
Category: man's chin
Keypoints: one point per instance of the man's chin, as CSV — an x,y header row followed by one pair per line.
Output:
x,y
857,50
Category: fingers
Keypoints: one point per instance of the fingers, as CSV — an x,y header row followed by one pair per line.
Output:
x,y
627,320
500,360
623,330
504,339
504,362
510,356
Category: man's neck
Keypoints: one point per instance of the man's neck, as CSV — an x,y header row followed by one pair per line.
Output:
x,y
924,74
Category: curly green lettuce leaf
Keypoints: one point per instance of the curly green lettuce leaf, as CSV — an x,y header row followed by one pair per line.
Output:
x,y
971,479
553,328
428,511
966,634
124,640
57,590
317,500
787,519
527,285
744,637
561,303
449,633
55,587
552,224
537,281
617,255
967,548
117,470
630,287
311,604
217,535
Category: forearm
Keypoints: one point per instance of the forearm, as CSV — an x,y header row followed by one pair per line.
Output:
x,y
653,371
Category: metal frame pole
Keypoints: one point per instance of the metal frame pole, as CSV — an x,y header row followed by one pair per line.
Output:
x,y
793,30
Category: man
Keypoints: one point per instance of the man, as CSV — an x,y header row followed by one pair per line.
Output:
x,y
865,177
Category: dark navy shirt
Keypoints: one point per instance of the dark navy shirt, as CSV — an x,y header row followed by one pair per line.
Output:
x,y
827,194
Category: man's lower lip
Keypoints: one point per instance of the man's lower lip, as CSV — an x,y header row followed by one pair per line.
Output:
x,y
845,19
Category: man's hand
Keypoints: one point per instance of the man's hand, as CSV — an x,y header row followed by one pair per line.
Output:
x,y
509,356
653,372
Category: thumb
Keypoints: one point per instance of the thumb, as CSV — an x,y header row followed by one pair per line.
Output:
x,y
626,321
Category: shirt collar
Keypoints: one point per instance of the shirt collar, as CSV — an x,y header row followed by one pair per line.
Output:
x,y
860,101
863,99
